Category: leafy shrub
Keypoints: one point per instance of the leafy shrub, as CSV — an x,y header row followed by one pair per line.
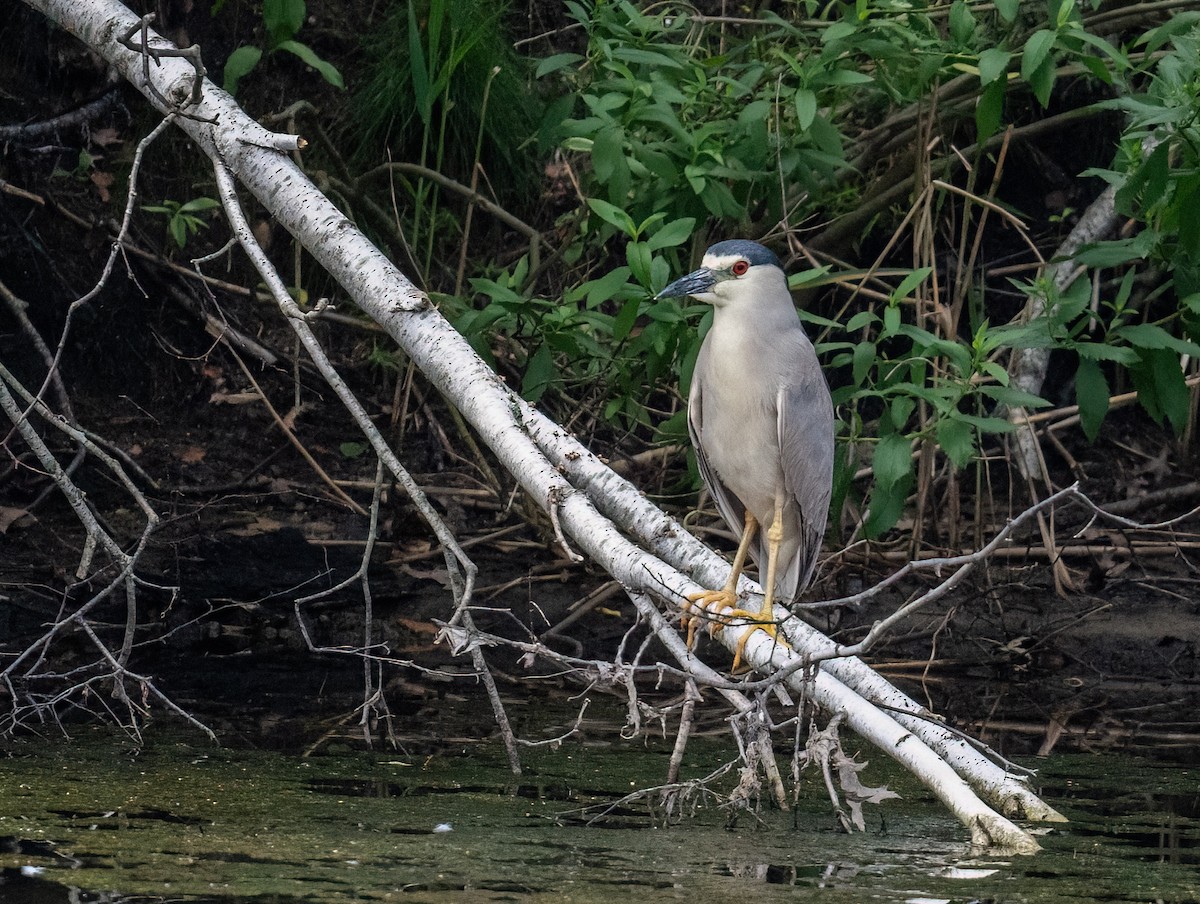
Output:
x,y
282,19
442,78
606,337
1144,333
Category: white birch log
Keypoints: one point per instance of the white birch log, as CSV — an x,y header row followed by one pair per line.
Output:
x,y
1028,366
626,505
222,130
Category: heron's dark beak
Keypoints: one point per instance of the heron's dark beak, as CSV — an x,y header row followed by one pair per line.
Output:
x,y
695,283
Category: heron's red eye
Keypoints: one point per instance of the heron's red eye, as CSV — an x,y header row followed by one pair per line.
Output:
x,y
739,268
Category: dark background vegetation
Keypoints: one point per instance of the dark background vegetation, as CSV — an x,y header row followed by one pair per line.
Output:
x,y
617,141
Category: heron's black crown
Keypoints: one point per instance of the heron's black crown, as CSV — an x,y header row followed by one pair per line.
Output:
x,y
753,252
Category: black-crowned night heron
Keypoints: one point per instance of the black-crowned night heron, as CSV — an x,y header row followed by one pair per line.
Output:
x,y
761,420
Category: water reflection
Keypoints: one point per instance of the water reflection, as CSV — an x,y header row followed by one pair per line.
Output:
x,y
88,824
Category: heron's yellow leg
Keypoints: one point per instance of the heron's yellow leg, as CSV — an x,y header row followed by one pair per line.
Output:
x,y
726,597
764,619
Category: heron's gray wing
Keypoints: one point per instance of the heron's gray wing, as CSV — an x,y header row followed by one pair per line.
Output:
x,y
805,418
731,508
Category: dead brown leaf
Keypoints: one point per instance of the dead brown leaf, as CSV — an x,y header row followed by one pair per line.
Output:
x,y
440,575
10,517
103,182
233,398
191,455
106,137
257,527
416,626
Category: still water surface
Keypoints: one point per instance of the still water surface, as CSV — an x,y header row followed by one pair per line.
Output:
x,y
98,820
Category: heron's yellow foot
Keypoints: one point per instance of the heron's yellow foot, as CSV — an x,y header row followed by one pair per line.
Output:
x,y
710,601
721,610
763,620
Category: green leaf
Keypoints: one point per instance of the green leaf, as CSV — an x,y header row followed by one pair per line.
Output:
x,y
1098,68
1037,64
1161,387
1091,395
902,406
1013,397
995,371
639,257
1065,9
1151,335
554,63
283,18
197,205
579,144
1037,52
864,359
892,461
1008,9
910,282
1041,80
1099,351
652,220
846,77
177,226
608,150
624,321
673,429
613,215
962,22
1187,202
1148,183
806,108
891,320
860,320
606,287
957,440
836,32
812,276
990,109
417,68
1117,251
665,311
988,424
642,57
660,274
540,373
239,65
893,468
672,234
993,64
1175,25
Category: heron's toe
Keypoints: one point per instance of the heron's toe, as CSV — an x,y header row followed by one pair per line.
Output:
x,y
758,621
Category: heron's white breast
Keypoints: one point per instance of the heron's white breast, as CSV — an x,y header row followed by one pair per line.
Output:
x,y
739,416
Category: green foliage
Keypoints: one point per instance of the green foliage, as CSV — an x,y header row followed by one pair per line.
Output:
x,y
431,63
689,123
679,132
445,90
914,385
714,128
352,450
670,128
606,336
282,19
1127,332
183,220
